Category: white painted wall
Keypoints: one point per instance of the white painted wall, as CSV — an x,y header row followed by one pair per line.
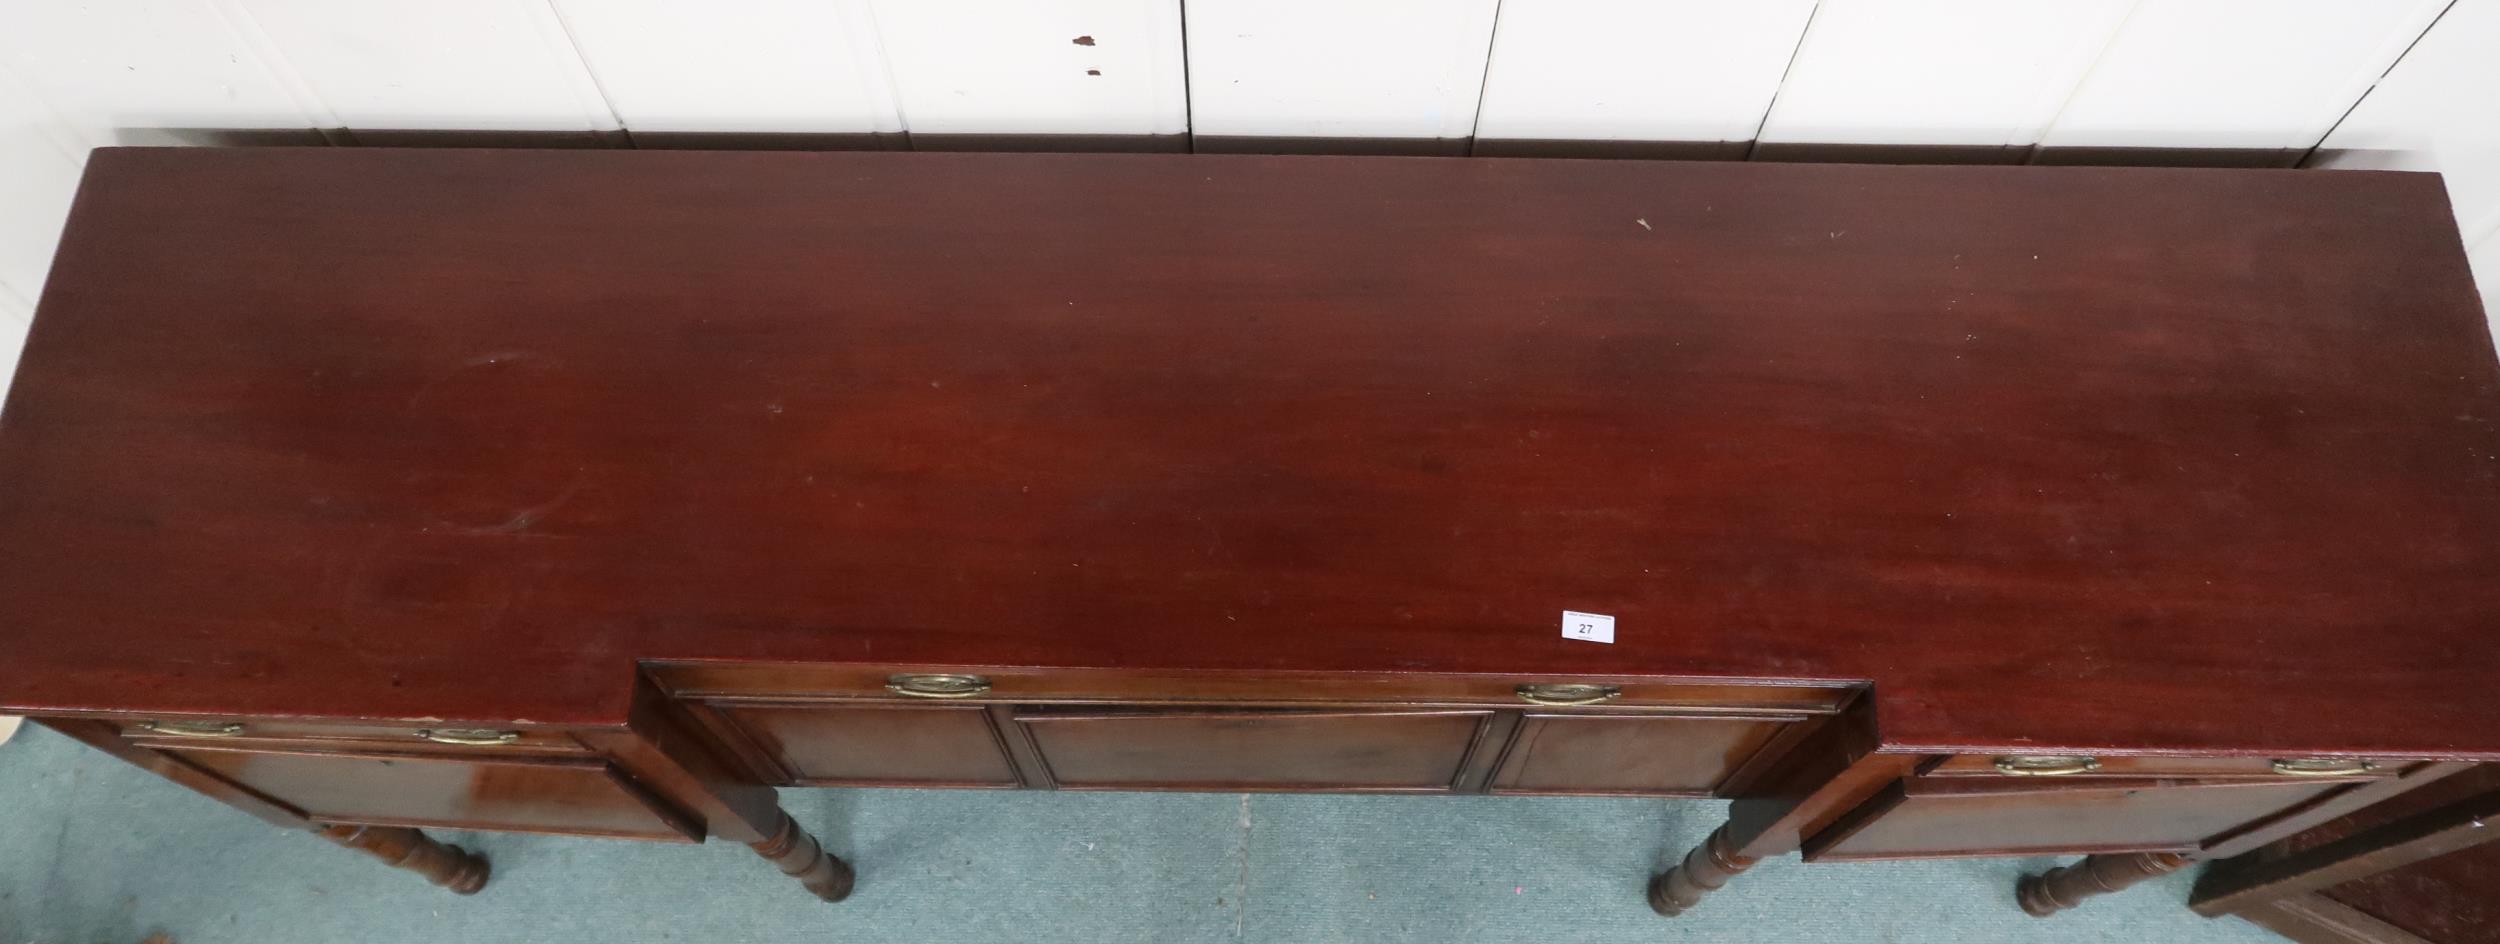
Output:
x,y
751,66
1016,67
1949,72
2256,74
15,317
2049,80
1637,70
142,72
1337,68
2439,110
40,157
386,69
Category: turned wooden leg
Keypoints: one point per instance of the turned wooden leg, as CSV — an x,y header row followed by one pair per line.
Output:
x,y
800,857
2061,888
1705,868
452,867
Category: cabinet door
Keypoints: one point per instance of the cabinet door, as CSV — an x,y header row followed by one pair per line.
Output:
x,y
1948,816
1629,754
581,797
1421,750
876,745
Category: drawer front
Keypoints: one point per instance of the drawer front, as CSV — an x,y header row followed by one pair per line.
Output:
x,y
581,797
2082,767
394,737
866,745
1256,750
1629,754
1034,686
1977,817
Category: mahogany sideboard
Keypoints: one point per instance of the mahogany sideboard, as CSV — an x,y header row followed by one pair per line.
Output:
x,y
2148,514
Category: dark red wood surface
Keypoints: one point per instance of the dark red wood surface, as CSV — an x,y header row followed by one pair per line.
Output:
x,y
2111,459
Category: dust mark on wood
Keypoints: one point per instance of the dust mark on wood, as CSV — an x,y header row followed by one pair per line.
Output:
x,y
529,517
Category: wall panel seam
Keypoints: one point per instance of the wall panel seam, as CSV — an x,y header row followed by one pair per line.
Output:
x,y
1492,41
2032,156
2481,229
2311,151
1189,104
318,114
580,78
55,127
1804,33
17,308
885,67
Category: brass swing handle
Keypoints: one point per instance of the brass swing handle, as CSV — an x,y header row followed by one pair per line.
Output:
x,y
2323,767
1567,694
938,686
194,729
2046,765
469,737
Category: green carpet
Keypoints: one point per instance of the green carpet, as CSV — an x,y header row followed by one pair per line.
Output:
x,y
93,851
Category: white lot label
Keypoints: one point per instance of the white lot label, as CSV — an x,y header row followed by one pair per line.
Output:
x,y
1588,627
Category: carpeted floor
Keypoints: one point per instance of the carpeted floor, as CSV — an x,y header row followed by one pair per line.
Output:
x,y
93,851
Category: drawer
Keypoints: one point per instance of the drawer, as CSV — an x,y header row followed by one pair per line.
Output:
x,y
710,680
2065,766
376,735
578,797
1630,754
1954,816
1418,751
868,744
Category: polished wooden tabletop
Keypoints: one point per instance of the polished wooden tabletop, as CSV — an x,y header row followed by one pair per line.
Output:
x,y
2117,459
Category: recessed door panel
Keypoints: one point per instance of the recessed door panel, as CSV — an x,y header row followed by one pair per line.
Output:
x,y
1629,754
1256,750
909,745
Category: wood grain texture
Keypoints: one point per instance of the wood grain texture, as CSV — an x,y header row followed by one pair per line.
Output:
x,y
2316,919
1622,754
922,745
1921,818
2204,463
2417,869
1377,750
2452,899
2390,847
1703,870
798,855
2066,886
103,737
452,867
569,797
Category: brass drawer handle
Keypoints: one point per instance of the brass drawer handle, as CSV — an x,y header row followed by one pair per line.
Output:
x,y
2046,765
195,729
469,737
2323,767
938,686
1567,694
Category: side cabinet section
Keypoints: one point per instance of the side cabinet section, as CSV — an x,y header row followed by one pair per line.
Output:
x,y
1928,817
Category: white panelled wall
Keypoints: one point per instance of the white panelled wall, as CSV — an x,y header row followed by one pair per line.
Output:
x,y
1980,75
1695,71
2410,84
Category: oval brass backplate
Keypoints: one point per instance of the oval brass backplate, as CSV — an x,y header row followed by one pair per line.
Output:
x,y
937,685
2046,765
1567,694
